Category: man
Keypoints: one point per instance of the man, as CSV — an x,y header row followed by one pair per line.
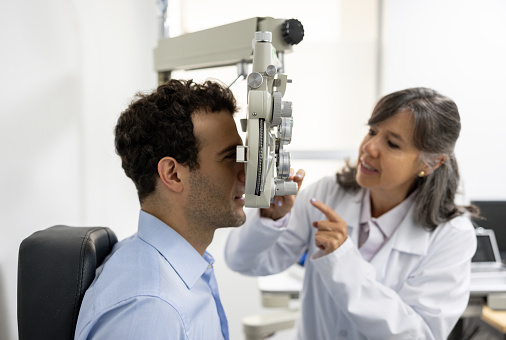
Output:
x,y
178,145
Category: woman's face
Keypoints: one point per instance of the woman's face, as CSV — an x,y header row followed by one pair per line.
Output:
x,y
388,160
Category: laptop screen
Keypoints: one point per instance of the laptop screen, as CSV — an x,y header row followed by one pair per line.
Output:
x,y
494,213
484,249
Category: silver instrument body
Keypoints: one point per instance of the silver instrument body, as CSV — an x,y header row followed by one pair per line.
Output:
x,y
268,128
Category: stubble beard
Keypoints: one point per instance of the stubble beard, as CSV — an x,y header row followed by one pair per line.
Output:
x,y
205,207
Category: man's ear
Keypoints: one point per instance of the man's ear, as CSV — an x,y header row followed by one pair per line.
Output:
x,y
171,173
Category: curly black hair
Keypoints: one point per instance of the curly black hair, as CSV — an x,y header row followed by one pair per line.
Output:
x,y
159,124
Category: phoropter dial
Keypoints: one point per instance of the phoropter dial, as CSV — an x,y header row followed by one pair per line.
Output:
x,y
280,108
285,130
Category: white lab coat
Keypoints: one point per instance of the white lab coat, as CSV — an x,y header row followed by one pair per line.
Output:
x,y
416,287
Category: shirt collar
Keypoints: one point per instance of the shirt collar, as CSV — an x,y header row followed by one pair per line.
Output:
x,y
180,254
390,220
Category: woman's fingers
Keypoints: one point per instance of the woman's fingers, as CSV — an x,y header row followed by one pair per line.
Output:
x,y
332,232
282,205
326,210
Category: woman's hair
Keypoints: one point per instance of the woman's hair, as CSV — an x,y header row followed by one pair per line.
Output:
x,y
159,124
437,128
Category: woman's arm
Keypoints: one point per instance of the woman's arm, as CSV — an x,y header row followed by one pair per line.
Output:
x,y
427,304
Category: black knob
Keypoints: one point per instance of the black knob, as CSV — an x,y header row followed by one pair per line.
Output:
x,y
292,31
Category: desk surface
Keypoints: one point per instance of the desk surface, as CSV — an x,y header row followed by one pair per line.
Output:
x,y
495,318
290,282
485,283
287,282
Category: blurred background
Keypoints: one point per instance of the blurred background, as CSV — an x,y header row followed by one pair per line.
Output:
x,y
68,68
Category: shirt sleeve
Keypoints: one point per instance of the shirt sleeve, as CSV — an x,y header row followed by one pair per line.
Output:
x,y
263,247
142,317
275,224
250,248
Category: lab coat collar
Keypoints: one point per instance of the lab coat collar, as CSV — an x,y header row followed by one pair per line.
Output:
x,y
409,237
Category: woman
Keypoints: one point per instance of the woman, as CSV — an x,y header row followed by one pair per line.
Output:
x,y
389,250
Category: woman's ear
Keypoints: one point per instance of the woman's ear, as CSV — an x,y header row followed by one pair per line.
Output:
x,y
428,169
171,172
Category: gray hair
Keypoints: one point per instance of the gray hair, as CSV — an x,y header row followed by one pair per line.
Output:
x,y
437,128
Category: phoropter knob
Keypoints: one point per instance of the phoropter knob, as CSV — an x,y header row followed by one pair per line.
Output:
x,y
283,164
287,109
292,31
263,36
280,108
285,130
254,80
285,188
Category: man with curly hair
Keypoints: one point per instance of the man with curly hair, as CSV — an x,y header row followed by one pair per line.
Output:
x,y
178,145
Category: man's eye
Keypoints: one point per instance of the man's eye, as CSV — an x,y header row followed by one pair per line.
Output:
x,y
372,132
232,155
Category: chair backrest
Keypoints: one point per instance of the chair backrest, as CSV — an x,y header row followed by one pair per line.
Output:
x,y
55,267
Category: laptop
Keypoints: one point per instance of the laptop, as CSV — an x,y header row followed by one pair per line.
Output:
x,y
493,217
488,273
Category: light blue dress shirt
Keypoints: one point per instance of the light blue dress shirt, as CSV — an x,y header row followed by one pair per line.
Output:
x,y
154,285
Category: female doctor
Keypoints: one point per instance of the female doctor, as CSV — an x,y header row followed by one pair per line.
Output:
x,y
389,250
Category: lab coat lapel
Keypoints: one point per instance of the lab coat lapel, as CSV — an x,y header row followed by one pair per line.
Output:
x,y
409,238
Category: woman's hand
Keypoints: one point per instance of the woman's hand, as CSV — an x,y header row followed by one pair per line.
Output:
x,y
331,232
283,204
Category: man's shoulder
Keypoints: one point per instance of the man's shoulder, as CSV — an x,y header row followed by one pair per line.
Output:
x,y
134,269
134,318
136,288
135,276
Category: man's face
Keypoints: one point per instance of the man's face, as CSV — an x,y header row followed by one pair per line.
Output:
x,y
216,191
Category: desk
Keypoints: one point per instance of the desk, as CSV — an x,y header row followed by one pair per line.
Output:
x,y
288,282
280,291
496,320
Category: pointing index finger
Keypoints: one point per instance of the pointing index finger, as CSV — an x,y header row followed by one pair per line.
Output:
x,y
326,210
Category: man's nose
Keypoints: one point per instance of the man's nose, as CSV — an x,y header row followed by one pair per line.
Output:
x,y
242,173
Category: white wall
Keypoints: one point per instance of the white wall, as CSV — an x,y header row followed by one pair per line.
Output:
x,y
458,48
68,68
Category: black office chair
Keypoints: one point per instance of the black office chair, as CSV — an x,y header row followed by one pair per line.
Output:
x,y
55,267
